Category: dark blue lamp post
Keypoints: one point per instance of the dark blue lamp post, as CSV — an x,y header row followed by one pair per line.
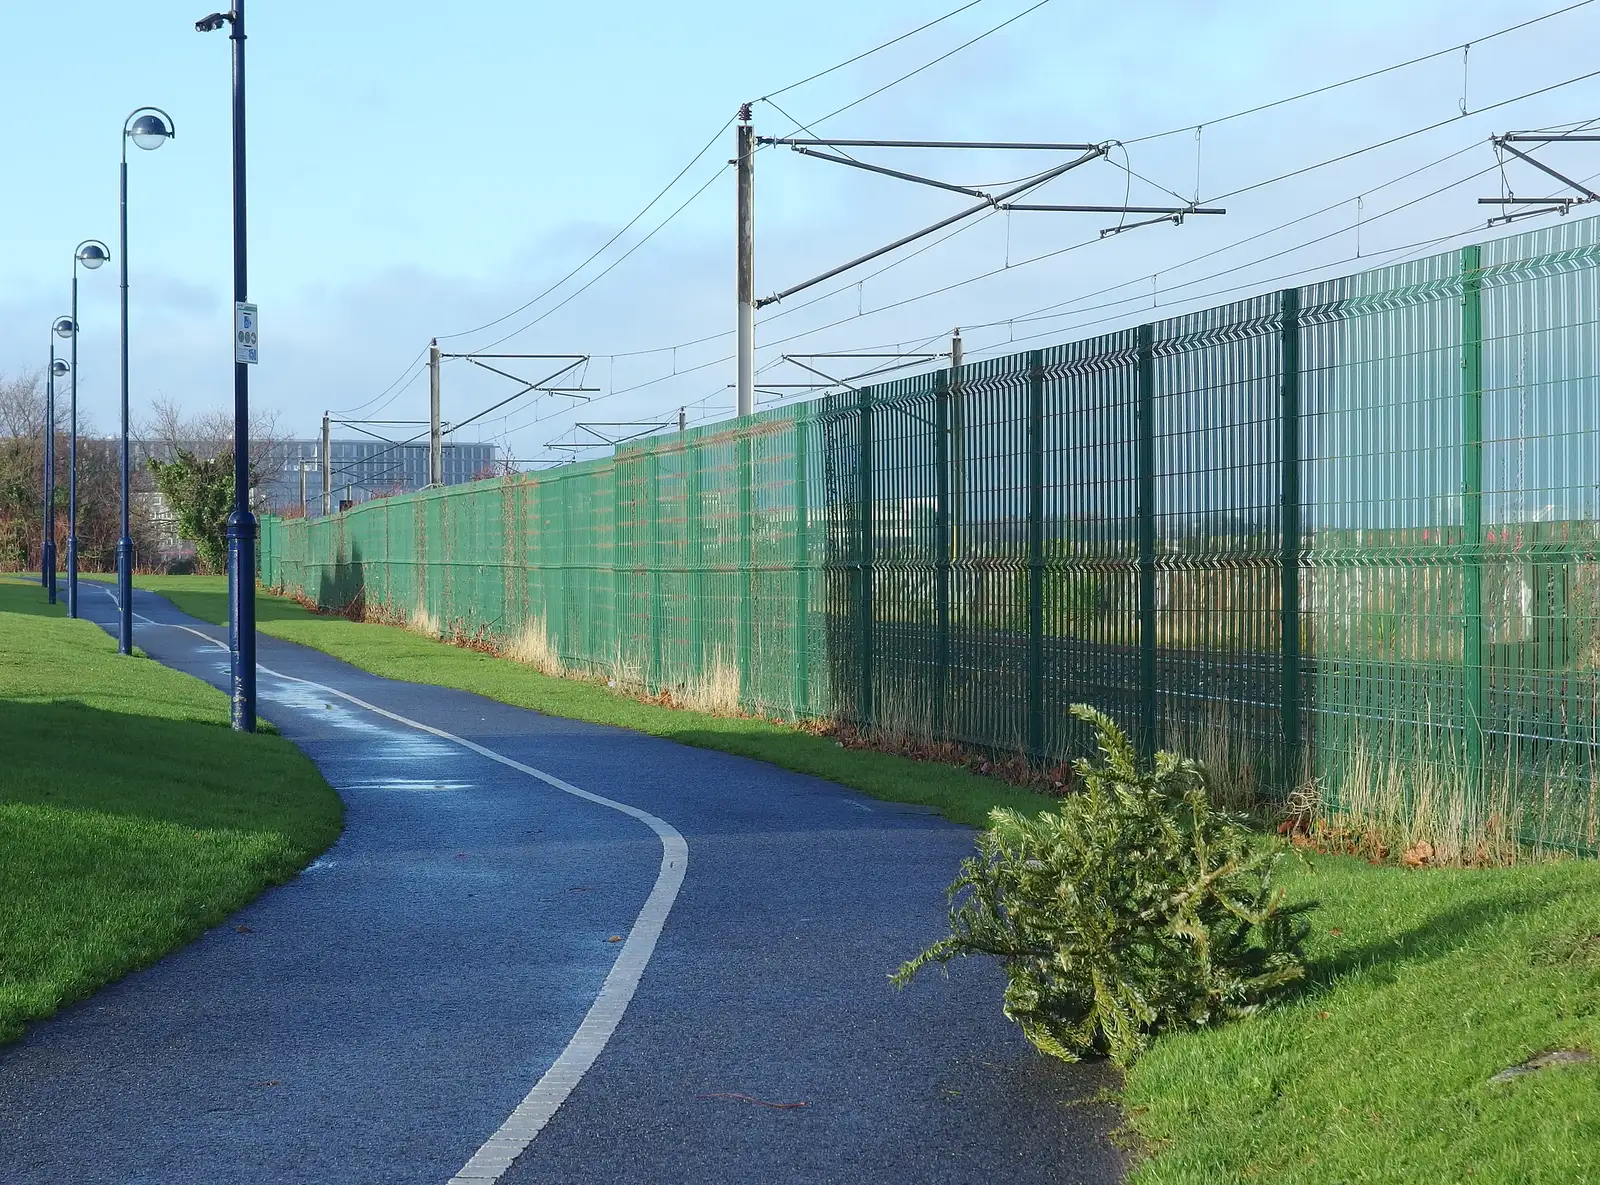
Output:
x,y
241,523
149,128
58,368
91,253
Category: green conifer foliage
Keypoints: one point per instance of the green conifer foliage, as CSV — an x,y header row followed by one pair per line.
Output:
x,y
1134,908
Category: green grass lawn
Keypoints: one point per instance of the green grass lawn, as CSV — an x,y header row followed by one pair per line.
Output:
x,y
131,818
1424,983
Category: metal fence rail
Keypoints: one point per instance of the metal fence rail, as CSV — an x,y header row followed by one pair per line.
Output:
x,y
1346,531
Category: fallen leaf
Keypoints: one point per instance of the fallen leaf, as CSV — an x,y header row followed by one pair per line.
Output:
x,y
615,938
243,930
1418,854
1324,1016
1336,932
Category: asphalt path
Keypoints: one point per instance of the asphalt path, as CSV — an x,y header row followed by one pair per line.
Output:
x,y
448,994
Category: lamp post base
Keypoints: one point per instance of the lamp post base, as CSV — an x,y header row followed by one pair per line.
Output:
x,y
124,595
242,616
72,576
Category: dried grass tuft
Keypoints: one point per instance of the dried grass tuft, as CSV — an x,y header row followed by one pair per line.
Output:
x,y
532,648
715,691
421,621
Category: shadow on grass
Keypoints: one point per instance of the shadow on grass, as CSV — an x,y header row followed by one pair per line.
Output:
x,y
124,836
19,602
1440,934
67,755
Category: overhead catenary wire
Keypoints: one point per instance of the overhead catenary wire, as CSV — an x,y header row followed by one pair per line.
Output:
x,y
648,206
612,265
1248,188
1089,242
1189,127
872,94
1370,74
695,160
770,95
1133,140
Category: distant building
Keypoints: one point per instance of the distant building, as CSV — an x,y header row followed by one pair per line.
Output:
x,y
364,469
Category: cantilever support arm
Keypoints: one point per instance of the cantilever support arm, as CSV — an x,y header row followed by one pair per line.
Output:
x,y
1590,194
1091,153
913,177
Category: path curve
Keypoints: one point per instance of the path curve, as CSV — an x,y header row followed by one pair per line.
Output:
x,y
490,1162
379,1017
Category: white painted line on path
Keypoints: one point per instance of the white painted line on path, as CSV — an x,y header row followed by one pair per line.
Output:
x,y
490,1162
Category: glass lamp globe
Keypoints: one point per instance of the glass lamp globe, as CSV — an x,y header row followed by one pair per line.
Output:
x,y
149,132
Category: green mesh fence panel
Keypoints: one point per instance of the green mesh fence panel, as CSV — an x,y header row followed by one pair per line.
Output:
x,y
1347,532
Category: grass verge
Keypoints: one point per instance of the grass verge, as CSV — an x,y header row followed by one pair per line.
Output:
x,y
401,654
1425,983
131,818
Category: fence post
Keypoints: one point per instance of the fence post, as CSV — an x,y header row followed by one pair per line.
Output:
x,y
653,510
864,655
802,561
1289,512
1472,510
569,641
1035,688
747,565
697,580
1146,417
941,555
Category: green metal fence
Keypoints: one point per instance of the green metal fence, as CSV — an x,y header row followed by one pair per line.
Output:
x,y
1346,531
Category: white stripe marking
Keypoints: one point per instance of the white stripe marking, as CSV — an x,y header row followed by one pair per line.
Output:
x,y
490,1162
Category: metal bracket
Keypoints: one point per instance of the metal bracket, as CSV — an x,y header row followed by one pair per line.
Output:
x,y
1543,205
809,146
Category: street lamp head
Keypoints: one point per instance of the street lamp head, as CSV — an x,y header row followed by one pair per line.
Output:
x,y
92,254
210,24
64,327
59,367
150,131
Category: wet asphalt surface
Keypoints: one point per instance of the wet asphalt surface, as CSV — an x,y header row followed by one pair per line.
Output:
x,y
378,1017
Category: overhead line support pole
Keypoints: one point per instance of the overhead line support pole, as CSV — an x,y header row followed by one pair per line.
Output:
x,y
435,435
745,261
327,467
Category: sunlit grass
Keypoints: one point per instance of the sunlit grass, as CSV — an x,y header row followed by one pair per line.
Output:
x,y
131,817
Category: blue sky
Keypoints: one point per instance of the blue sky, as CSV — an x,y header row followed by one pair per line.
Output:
x,y
419,169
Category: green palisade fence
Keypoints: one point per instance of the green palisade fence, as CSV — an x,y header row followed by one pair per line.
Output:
x,y
1347,531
